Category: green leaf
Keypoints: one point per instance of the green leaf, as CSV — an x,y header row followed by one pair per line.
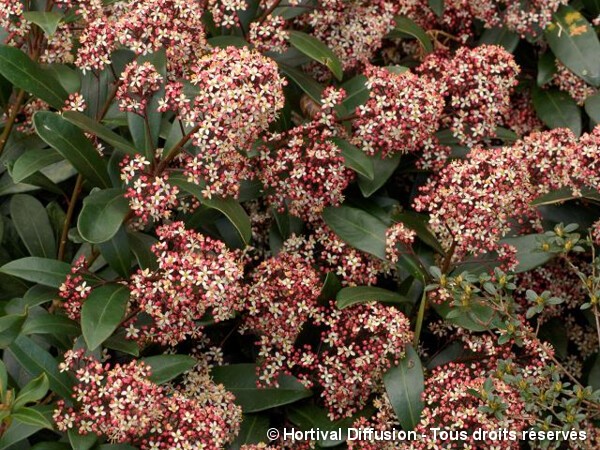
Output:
x,y
33,225
557,109
437,6
592,108
404,385
315,49
30,416
356,93
229,41
355,158
117,253
230,207
17,432
81,441
68,77
35,360
33,391
141,246
529,253
26,74
501,36
102,215
253,431
405,26
166,367
565,194
102,312
145,132
575,43
353,295
383,170
313,89
10,327
546,68
50,324
47,21
419,223
71,143
3,381
240,380
48,272
32,161
594,375
119,342
89,125
358,228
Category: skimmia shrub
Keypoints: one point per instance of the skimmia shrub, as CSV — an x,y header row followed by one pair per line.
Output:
x,y
223,219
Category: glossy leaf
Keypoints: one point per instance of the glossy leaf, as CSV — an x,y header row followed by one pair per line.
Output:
x,y
529,253
26,74
501,36
33,391
253,431
382,170
557,109
35,360
71,143
575,43
47,272
565,194
166,367
311,87
31,221
102,312
315,49
240,379
102,132
592,107
32,161
30,416
117,253
102,215
358,228
355,158
228,206
546,68
354,295
405,26
10,327
404,385
50,324
46,20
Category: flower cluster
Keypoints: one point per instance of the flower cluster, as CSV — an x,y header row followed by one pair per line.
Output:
x,y
269,35
144,26
403,110
196,275
397,238
239,93
74,290
139,82
353,30
121,403
473,201
351,265
306,170
363,341
567,81
150,196
477,84
280,299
